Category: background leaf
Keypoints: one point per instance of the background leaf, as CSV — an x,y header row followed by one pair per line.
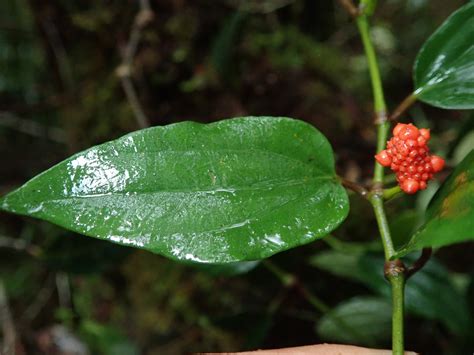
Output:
x,y
368,317
450,214
430,293
235,190
444,67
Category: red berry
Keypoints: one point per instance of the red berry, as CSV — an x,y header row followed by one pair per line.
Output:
x,y
383,158
413,153
407,154
421,141
409,132
398,128
411,143
404,150
425,133
410,186
437,163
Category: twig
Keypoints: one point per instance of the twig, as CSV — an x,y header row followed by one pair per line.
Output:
x,y
59,51
32,128
132,97
6,321
40,301
419,263
402,107
124,71
392,192
350,7
290,280
64,289
19,245
358,188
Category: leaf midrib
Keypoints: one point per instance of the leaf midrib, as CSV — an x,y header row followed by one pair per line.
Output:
x,y
226,189
241,151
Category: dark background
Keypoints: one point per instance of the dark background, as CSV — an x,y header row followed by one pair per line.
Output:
x,y
203,61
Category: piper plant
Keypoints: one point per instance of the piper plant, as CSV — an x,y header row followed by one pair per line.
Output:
x,y
246,188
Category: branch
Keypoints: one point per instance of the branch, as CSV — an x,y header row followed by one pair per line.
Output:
x,y
350,7
124,71
64,290
402,107
290,280
419,263
32,128
42,298
392,192
19,245
358,188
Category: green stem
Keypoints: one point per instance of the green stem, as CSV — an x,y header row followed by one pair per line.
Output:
x,y
390,193
379,100
404,105
368,6
380,107
398,285
289,280
397,279
316,302
286,278
377,203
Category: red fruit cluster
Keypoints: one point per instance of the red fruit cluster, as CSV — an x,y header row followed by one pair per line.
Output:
x,y
407,154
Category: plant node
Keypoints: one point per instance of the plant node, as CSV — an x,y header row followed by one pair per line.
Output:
x,y
394,268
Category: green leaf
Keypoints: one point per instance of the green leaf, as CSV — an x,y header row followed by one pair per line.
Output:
x,y
360,320
345,265
444,67
450,214
430,293
225,44
234,190
403,225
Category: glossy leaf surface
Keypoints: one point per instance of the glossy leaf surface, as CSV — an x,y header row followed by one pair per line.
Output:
x,y
450,214
235,190
444,67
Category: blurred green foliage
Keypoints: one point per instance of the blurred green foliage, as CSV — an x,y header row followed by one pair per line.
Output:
x,y
206,60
